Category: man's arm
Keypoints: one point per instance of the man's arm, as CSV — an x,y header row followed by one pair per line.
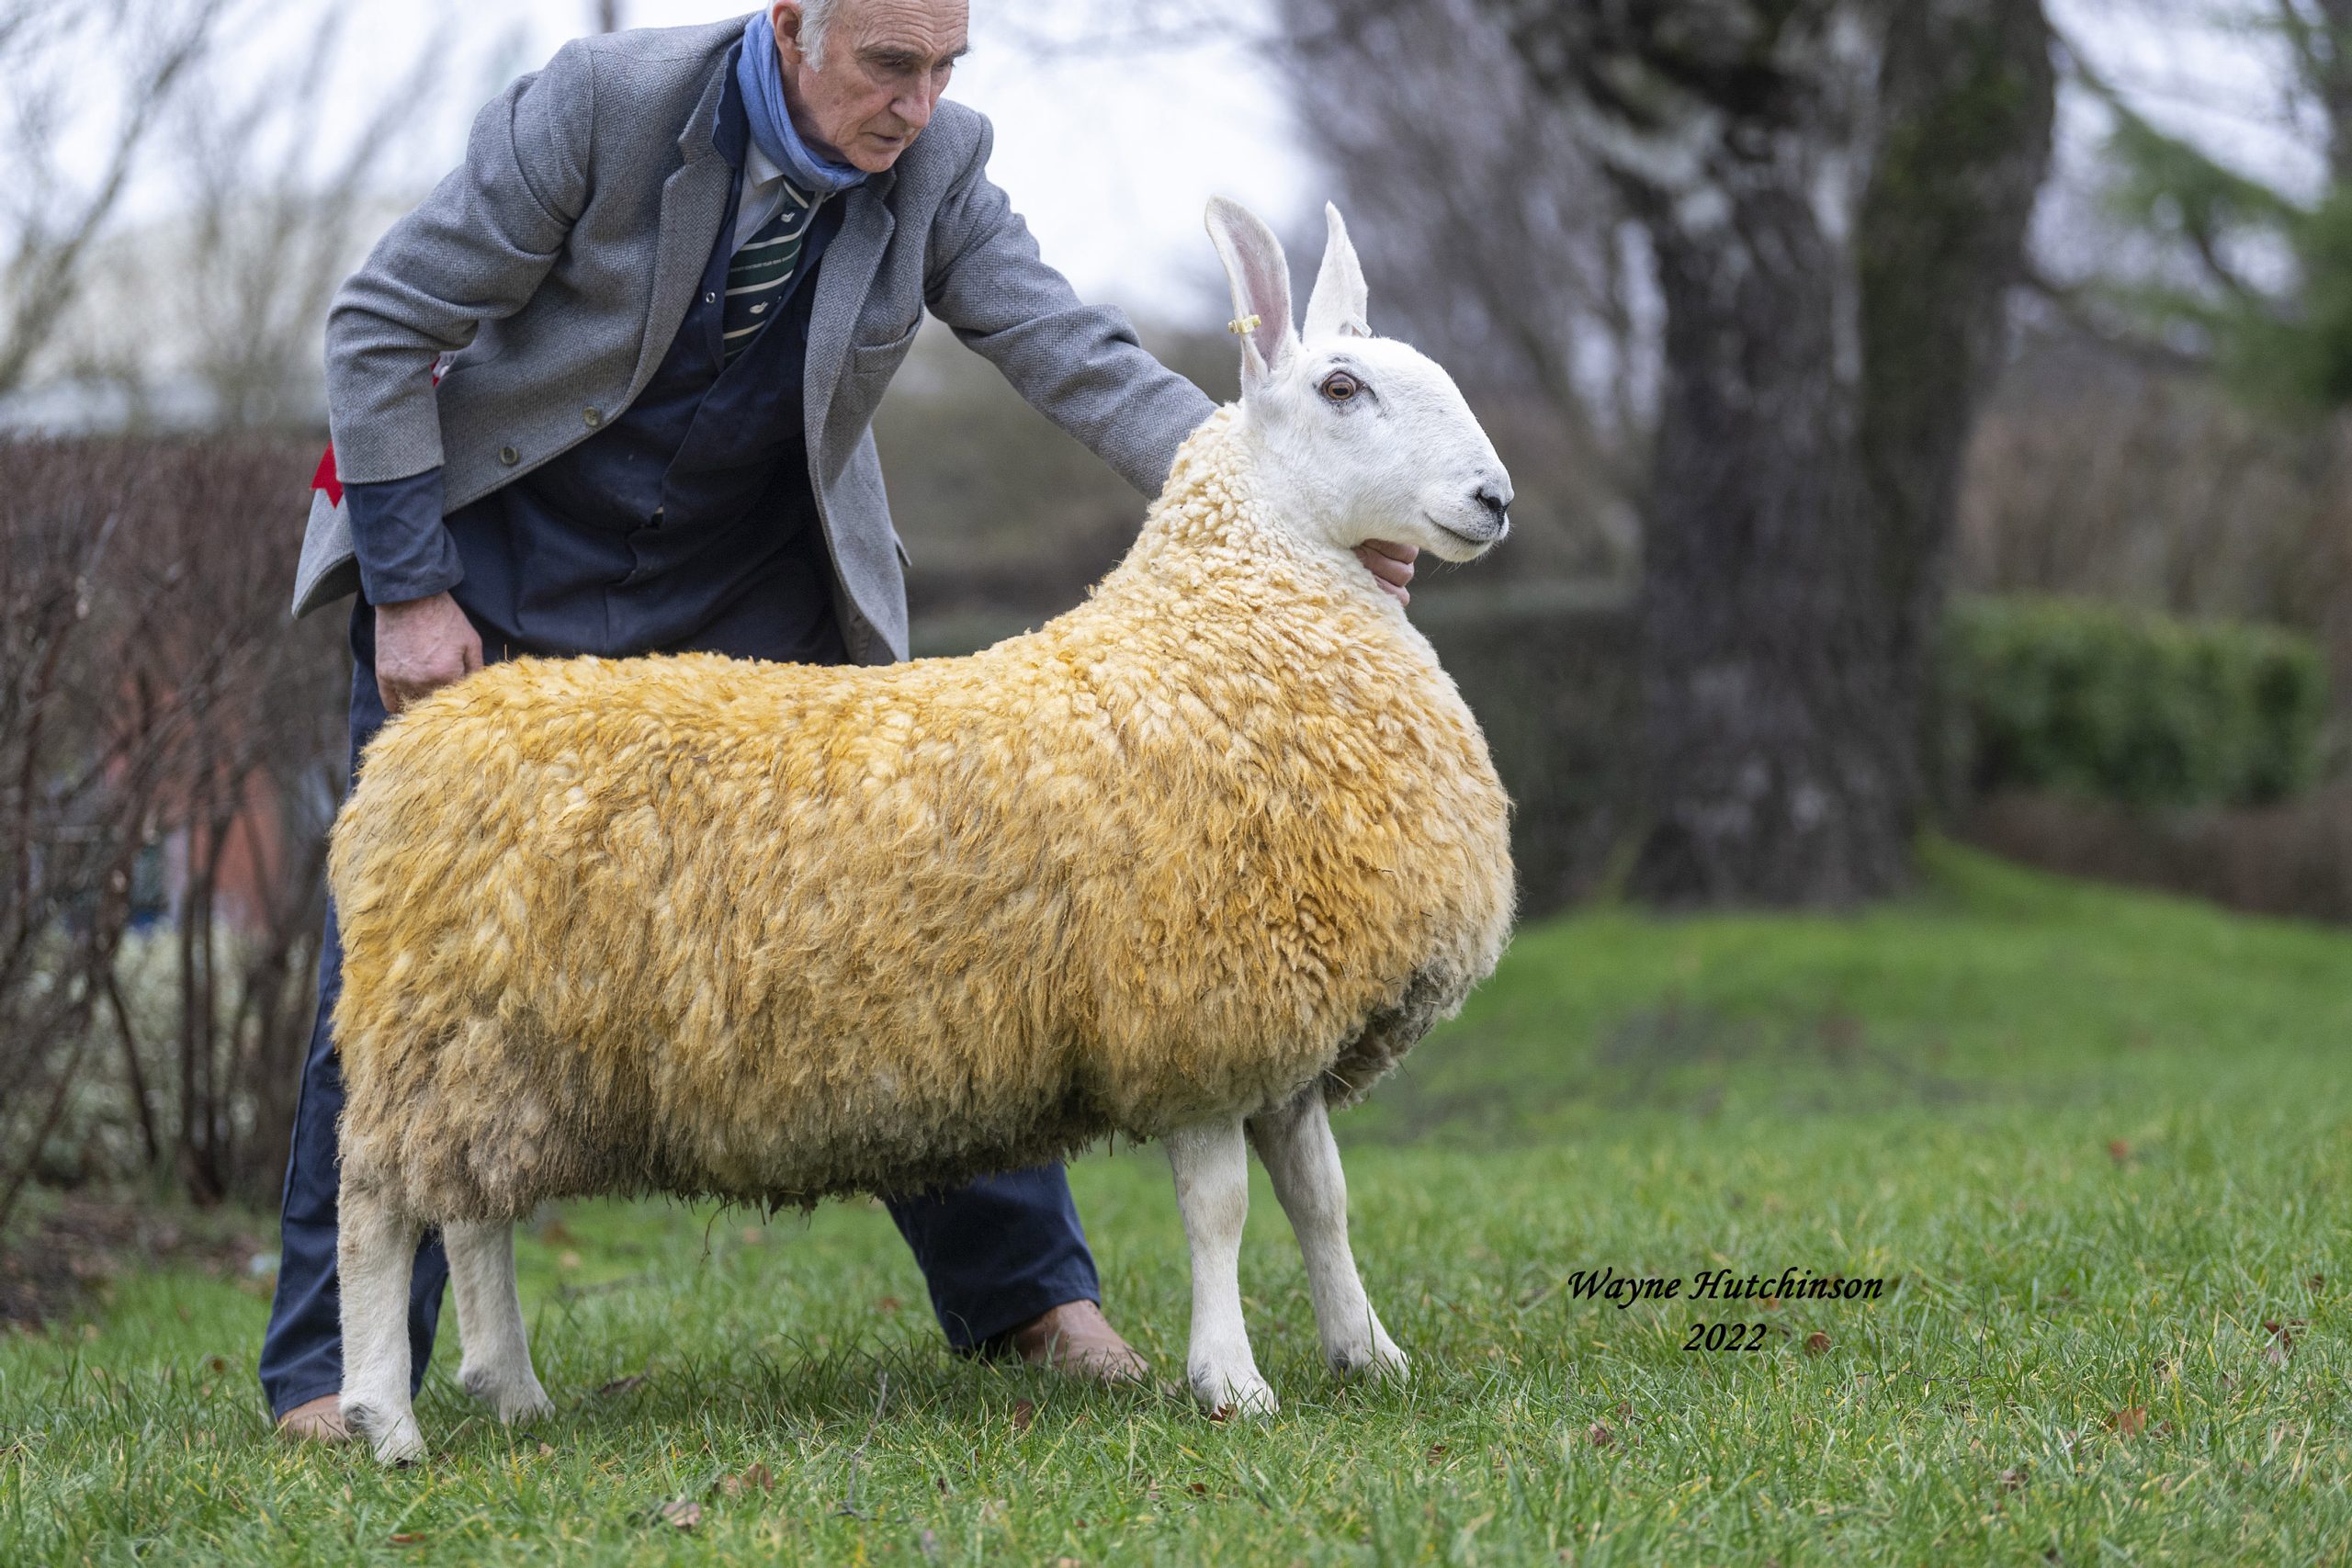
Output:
x,y
1077,364
474,251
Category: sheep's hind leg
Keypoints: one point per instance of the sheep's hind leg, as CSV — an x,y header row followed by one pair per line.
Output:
x,y
1295,1143
375,1251
1212,1169
497,1365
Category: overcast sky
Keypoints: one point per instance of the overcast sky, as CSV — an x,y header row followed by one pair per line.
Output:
x,y
1112,151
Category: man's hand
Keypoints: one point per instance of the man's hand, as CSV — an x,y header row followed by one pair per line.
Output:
x,y
422,644
1392,564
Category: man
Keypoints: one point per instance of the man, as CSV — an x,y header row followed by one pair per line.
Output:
x,y
664,294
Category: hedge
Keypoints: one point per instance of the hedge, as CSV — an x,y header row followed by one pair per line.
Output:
x,y
2094,699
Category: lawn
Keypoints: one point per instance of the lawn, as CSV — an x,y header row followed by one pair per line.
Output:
x,y
2092,1142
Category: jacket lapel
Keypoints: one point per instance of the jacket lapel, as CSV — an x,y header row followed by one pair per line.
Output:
x,y
844,277
694,200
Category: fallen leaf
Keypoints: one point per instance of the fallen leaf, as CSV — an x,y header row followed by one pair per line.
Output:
x,y
1437,1452
887,1303
407,1538
216,1363
1772,1303
567,1260
1625,1411
2316,1282
759,1478
682,1513
556,1234
622,1385
2013,1480
1198,1489
547,1450
1598,1436
2128,1422
1023,1414
2118,1150
1816,1343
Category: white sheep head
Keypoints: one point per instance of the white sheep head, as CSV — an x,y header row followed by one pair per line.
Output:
x,y
1353,437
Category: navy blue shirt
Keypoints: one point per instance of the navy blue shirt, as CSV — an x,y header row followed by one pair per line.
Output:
x,y
688,522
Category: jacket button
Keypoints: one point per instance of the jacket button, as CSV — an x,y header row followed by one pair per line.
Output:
x,y
508,456
591,418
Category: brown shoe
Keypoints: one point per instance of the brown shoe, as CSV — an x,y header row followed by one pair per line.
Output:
x,y
319,1421
1077,1339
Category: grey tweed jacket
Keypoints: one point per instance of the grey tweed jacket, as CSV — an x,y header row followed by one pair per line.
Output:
x,y
554,265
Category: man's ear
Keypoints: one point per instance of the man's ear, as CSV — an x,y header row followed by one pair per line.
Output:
x,y
1259,276
783,18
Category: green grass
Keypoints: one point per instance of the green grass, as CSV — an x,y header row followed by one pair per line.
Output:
x,y
2096,1139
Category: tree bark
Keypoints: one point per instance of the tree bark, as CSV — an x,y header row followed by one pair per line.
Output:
x,y
1835,192
1968,94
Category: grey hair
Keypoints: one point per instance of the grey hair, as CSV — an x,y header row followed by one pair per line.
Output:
x,y
816,21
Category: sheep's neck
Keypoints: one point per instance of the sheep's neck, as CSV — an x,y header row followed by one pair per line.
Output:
x,y
1218,601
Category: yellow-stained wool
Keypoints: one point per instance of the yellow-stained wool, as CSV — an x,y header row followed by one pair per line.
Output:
x,y
774,931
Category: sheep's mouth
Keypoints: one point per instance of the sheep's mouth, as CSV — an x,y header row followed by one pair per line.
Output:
x,y
1475,539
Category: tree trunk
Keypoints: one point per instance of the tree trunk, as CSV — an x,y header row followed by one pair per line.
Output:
x,y
1968,94
1771,775
1835,192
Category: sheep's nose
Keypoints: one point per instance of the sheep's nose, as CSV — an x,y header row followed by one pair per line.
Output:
x,y
1497,502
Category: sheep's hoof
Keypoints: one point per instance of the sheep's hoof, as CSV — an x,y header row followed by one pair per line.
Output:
x,y
1227,1395
1379,1361
535,1406
516,1399
399,1442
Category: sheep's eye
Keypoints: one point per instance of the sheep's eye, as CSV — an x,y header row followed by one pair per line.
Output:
x,y
1339,386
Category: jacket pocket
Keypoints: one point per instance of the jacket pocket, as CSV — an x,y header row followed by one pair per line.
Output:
x,y
872,359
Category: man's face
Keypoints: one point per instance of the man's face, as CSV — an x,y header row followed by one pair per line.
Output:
x,y
886,63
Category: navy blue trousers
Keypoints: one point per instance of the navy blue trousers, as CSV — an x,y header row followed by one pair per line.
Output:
x,y
994,1254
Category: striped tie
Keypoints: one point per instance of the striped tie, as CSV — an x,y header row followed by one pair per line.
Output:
x,y
761,274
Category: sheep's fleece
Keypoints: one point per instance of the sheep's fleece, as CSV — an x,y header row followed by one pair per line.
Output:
x,y
712,926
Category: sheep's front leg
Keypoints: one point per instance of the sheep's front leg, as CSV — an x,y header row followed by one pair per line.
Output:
x,y
375,1251
1212,1167
497,1365
1295,1143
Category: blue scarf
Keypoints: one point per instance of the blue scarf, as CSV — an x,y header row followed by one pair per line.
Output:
x,y
758,74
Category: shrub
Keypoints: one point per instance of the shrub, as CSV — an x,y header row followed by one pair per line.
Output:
x,y
2130,707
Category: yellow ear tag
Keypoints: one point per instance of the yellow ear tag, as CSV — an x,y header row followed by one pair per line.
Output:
x,y
1243,327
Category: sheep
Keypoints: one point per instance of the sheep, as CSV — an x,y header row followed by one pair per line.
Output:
x,y
1196,861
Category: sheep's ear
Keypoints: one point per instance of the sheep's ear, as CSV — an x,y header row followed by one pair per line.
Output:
x,y
1259,275
1336,309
